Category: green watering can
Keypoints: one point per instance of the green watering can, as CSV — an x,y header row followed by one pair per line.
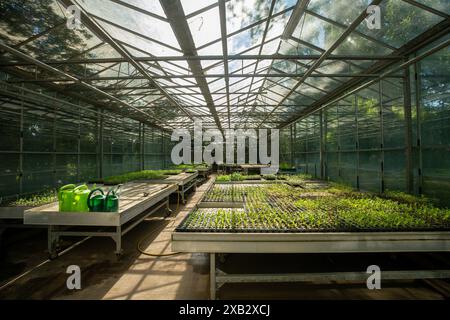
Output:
x,y
112,200
80,197
65,197
98,202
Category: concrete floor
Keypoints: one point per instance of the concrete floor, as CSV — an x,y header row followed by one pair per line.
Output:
x,y
184,276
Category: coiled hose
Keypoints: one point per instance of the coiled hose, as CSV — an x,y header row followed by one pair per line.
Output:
x,y
151,254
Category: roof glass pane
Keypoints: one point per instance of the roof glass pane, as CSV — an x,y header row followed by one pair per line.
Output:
x,y
245,40
317,32
293,47
440,5
355,44
241,13
190,6
400,22
339,10
39,17
145,45
205,27
152,6
130,19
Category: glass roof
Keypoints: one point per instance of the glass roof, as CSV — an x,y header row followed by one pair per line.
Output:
x,y
241,63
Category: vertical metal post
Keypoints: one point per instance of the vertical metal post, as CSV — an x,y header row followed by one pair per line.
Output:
x,y
338,140
291,141
380,103
123,147
419,124
100,143
212,276
142,146
79,144
357,141
321,146
306,145
21,145
325,131
294,153
408,131
163,150
55,184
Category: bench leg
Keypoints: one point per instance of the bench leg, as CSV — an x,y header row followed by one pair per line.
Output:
x,y
168,210
183,200
51,243
118,241
212,276
2,229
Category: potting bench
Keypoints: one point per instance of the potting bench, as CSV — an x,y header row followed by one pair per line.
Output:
x,y
336,242
185,181
253,168
137,202
204,172
12,216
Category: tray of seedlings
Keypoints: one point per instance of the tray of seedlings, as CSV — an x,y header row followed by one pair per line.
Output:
x,y
364,212
12,209
213,220
282,215
283,208
223,196
224,193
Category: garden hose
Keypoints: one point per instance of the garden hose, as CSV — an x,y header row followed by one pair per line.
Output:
x,y
151,254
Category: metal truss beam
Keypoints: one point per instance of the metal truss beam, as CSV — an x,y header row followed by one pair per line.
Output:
x,y
98,30
427,37
266,29
294,19
328,52
231,75
175,14
338,57
72,78
223,31
427,8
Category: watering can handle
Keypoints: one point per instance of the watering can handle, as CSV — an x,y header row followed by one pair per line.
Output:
x,y
66,187
81,187
90,195
114,192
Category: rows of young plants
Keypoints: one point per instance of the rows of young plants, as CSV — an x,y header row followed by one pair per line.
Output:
x,y
214,220
141,175
283,208
31,200
229,192
187,167
237,176
224,193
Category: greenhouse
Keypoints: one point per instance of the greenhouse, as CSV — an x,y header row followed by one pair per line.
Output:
x,y
232,149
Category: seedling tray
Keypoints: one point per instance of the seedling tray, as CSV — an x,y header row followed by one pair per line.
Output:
x,y
202,220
